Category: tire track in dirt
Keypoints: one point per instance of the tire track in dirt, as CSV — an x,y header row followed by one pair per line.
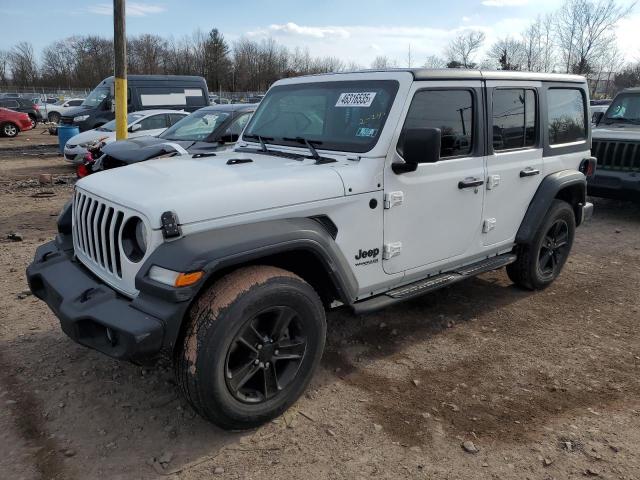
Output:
x,y
27,417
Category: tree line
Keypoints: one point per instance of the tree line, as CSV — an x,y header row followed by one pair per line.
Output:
x,y
577,38
83,61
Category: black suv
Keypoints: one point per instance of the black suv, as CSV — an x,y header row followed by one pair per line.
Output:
x,y
24,106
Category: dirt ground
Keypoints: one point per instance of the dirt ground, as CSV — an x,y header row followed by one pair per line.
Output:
x,y
546,385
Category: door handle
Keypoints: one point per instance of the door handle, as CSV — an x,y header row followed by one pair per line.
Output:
x,y
529,172
470,183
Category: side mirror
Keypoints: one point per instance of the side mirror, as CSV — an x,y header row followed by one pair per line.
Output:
x,y
597,117
229,138
135,127
418,145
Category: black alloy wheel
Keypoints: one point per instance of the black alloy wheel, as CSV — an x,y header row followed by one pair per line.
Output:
x,y
554,249
264,357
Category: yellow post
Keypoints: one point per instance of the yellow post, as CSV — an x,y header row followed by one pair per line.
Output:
x,y
120,53
121,108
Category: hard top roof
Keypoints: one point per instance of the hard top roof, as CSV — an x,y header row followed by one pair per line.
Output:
x,y
463,74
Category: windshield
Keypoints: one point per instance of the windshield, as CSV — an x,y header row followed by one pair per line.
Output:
x,y
111,126
196,127
625,108
345,116
96,97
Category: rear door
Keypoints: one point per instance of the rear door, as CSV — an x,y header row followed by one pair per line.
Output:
x,y
433,215
514,162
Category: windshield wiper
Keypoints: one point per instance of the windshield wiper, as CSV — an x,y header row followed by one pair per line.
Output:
x,y
314,152
261,139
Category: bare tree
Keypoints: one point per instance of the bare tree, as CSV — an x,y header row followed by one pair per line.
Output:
x,y
4,67
22,64
584,29
381,62
462,49
507,54
434,61
145,54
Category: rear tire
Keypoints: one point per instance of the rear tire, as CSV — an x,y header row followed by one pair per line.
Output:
x,y
9,129
539,263
253,341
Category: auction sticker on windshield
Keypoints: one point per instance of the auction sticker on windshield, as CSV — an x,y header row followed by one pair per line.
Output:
x,y
355,99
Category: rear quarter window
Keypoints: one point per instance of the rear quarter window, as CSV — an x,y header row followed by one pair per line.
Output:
x,y
566,113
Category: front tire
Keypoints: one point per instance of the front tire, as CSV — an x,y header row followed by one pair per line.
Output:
x,y
254,339
539,263
34,121
54,117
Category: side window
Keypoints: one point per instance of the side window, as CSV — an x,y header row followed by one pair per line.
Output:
x,y
9,103
237,125
514,118
566,114
175,118
75,103
154,122
449,110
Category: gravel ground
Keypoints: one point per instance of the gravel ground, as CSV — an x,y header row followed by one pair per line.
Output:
x,y
535,385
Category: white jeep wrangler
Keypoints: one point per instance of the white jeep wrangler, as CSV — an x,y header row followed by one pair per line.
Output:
x,y
359,189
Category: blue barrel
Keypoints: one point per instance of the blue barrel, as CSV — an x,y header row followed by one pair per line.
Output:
x,y
65,132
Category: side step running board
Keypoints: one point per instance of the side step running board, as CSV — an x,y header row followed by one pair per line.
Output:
x,y
430,284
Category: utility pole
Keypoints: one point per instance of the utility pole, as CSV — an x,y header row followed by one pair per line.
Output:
x,y
120,52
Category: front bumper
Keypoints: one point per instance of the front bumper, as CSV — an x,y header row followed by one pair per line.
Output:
x,y
75,155
93,314
615,184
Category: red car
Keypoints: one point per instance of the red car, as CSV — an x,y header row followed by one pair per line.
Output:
x,y
12,122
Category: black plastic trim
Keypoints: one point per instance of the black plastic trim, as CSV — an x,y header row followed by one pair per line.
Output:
x,y
547,191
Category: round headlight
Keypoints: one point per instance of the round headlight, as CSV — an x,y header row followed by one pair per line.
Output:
x,y
134,239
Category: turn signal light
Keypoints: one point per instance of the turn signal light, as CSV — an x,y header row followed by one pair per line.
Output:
x,y
186,279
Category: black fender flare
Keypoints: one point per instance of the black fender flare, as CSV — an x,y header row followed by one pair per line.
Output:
x,y
217,249
547,192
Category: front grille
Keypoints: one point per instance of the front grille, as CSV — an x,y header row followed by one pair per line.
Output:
x,y
616,155
96,232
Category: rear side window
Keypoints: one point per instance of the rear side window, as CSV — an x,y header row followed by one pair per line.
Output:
x,y
566,114
514,118
449,110
175,118
75,103
171,96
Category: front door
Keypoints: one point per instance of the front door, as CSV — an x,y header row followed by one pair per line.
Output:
x,y
433,215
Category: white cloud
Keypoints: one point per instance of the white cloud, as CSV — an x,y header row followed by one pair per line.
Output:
x,y
134,9
466,19
504,3
291,28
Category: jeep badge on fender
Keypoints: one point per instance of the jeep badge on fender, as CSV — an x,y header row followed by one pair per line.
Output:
x,y
263,247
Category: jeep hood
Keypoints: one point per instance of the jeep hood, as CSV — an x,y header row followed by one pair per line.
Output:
x,y
199,189
616,131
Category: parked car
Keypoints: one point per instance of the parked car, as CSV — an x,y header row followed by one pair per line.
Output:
x,y
24,106
12,122
54,111
175,92
147,122
9,95
208,130
345,190
616,145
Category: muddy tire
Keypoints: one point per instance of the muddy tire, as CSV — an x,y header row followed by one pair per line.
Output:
x,y
539,263
253,341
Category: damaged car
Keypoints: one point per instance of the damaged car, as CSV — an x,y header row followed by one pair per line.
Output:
x,y
204,132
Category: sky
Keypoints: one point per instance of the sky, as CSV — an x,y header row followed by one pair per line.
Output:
x,y
352,31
